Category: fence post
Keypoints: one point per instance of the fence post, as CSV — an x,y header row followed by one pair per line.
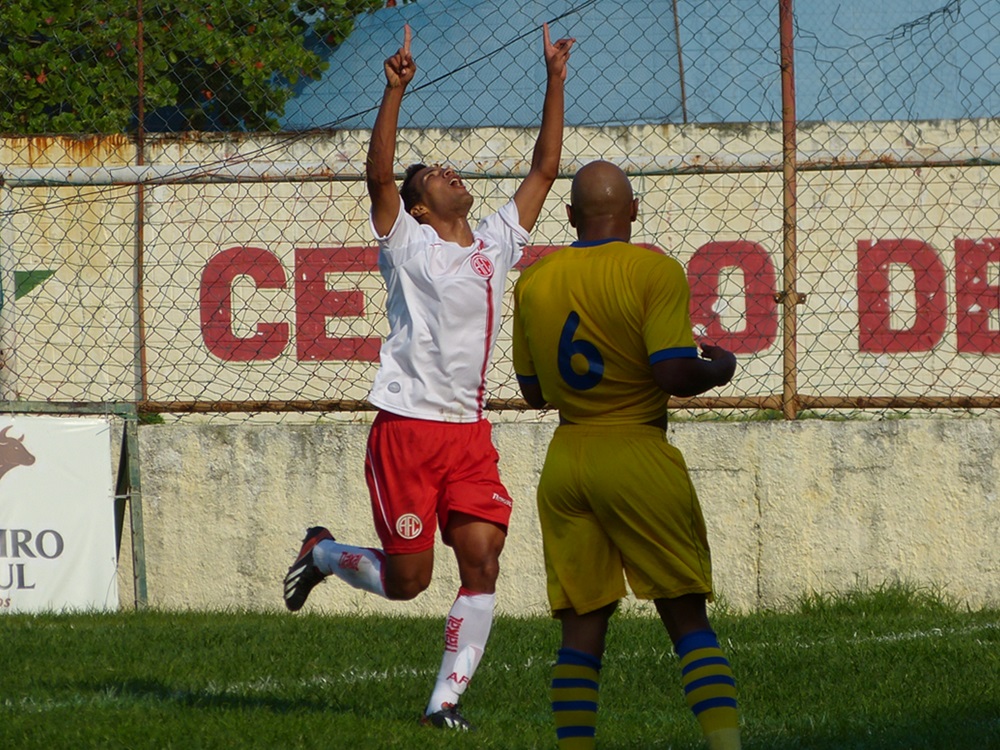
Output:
x,y
140,211
129,489
788,296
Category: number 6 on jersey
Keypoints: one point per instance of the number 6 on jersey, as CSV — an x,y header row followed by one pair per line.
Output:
x,y
568,346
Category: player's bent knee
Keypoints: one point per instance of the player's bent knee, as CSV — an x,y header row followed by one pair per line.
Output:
x,y
405,584
479,575
405,576
405,590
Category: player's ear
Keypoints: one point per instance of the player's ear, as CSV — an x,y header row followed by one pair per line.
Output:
x,y
635,209
569,215
418,210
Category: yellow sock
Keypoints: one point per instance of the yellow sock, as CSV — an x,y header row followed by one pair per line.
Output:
x,y
575,681
710,689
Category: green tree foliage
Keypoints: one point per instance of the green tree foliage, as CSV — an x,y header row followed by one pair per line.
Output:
x,y
71,67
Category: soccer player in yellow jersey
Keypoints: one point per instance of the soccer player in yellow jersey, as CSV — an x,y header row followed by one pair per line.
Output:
x,y
602,333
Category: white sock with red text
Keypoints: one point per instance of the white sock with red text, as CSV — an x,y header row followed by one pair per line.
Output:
x,y
360,567
465,633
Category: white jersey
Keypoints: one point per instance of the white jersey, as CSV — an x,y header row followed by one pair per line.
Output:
x,y
443,305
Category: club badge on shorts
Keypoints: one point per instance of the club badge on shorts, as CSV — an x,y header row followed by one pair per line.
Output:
x,y
409,526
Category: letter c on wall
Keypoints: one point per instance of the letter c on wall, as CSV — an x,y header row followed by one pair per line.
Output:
x,y
216,297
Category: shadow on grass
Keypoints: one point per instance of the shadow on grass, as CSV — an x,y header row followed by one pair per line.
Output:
x,y
975,728
147,692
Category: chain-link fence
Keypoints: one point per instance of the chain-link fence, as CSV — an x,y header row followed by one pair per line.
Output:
x,y
829,178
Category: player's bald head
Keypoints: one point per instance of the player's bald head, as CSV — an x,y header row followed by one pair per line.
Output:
x,y
600,189
602,205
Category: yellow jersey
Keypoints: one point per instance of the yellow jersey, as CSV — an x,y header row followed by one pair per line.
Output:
x,y
590,319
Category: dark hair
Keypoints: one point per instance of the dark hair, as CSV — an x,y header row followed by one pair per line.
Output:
x,y
408,190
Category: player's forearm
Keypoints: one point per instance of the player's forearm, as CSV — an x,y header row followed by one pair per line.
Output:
x,y
532,393
548,147
382,147
685,378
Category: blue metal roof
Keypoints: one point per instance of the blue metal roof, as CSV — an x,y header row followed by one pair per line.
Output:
x,y
479,63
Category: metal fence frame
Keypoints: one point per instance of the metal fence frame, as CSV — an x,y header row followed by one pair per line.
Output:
x,y
790,402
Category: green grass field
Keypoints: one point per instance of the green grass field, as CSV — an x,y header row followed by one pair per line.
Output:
x,y
875,670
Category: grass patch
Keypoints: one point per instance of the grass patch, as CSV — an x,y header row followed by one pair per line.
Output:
x,y
889,668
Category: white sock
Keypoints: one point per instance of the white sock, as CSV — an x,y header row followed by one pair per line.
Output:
x,y
360,567
465,633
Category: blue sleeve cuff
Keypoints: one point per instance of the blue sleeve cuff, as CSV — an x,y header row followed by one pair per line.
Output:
x,y
527,379
680,352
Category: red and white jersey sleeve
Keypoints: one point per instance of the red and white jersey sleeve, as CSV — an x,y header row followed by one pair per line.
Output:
x,y
443,307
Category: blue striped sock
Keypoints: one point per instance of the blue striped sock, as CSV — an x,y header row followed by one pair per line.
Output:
x,y
575,681
709,688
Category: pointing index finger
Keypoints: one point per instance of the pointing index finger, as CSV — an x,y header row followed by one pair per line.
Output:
x,y
407,36
545,35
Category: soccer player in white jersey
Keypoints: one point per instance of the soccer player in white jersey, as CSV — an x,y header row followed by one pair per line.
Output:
x,y
430,461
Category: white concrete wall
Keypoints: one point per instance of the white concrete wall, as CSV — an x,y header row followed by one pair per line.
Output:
x,y
791,507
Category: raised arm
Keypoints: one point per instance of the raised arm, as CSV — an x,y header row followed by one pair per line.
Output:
x,y
530,196
379,167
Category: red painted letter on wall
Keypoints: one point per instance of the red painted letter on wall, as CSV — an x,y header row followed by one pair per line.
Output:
x,y
314,303
875,332
217,305
975,298
761,318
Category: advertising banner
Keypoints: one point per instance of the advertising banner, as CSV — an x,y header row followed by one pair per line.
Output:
x,y
57,523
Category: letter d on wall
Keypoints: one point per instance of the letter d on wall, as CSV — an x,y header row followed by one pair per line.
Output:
x,y
875,332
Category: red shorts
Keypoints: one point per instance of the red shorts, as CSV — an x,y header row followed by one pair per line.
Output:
x,y
419,471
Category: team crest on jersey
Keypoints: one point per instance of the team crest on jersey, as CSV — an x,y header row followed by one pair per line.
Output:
x,y
409,526
482,265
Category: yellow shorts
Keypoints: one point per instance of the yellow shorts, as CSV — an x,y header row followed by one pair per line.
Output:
x,y
617,502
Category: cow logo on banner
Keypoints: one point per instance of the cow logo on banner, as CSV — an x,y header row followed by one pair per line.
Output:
x,y
13,453
58,546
